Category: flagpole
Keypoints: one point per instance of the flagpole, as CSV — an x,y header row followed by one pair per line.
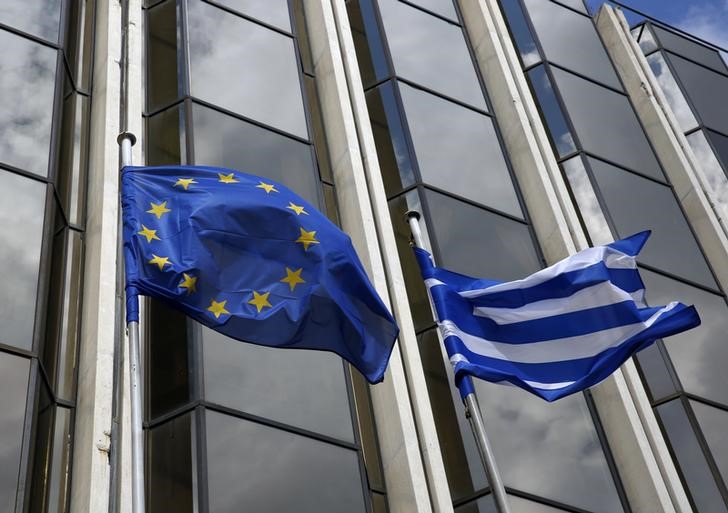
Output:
x,y
472,408
126,140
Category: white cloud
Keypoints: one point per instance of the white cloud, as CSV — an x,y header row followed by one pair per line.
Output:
x,y
707,21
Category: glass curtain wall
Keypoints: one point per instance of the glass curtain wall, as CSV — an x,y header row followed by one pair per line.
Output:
x,y
620,189
45,83
441,153
234,426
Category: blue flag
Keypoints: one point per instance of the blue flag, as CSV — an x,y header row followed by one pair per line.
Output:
x,y
249,258
556,332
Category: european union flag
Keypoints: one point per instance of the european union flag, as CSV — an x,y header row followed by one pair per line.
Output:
x,y
249,258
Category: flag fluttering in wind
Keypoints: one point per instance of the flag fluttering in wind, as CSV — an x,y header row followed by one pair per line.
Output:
x,y
558,331
249,258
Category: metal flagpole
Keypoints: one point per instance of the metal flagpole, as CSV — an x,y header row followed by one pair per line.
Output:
x,y
126,140
472,408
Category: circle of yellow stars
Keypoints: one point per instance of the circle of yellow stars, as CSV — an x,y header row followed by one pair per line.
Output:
x,y
188,283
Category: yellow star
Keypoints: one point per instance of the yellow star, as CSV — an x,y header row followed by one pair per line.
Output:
x,y
184,182
160,261
159,209
293,278
227,178
217,309
189,283
297,209
268,188
307,238
260,300
149,234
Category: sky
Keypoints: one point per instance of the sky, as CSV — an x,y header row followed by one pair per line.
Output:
x,y
707,19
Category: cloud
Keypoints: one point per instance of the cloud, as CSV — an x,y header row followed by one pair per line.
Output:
x,y
707,21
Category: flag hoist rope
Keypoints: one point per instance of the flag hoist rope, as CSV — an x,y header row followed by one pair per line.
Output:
x,y
472,408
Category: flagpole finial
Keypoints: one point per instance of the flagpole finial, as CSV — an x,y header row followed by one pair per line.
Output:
x,y
412,213
125,135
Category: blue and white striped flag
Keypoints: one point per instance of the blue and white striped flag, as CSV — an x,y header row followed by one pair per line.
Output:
x,y
559,331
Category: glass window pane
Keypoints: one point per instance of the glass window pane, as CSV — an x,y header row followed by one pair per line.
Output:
x,y
720,143
270,382
165,143
551,110
483,505
43,440
716,175
606,124
73,155
470,165
674,95
575,4
690,49
586,199
692,464
20,198
647,40
367,430
655,371
706,90
274,12
479,243
571,40
59,486
698,355
226,49
37,17
431,52
169,463
282,471
714,425
222,140
548,449
13,391
521,32
368,42
637,204
27,88
162,78
442,7
79,41
517,504
379,503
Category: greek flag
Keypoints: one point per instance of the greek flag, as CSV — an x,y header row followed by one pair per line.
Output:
x,y
558,331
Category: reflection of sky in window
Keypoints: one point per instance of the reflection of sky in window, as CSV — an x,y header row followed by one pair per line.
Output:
x,y
37,17
714,425
672,91
716,176
586,199
13,386
551,110
274,12
521,32
21,224
246,68
27,72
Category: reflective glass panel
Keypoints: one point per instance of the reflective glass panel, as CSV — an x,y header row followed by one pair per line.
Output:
x,y
472,163
548,449
674,95
690,49
268,382
502,250
692,464
575,4
716,175
282,471
517,505
13,390
59,486
606,124
698,355
368,42
37,17
720,143
43,441
635,204
571,40
22,202
162,79
431,52
706,90
79,41
561,137
27,88
274,12
586,199
655,371
389,136
647,40
442,7
367,430
169,464
714,425
222,140
521,32
73,155
483,505
165,143
244,67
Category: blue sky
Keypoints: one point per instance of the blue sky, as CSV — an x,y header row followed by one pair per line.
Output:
x,y
704,18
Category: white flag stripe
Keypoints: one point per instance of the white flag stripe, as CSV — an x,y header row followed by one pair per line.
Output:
x,y
555,350
457,357
611,257
601,294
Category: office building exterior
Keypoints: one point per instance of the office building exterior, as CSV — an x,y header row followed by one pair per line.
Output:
x,y
522,130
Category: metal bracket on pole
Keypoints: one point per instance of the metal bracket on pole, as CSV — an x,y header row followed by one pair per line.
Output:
x,y
472,408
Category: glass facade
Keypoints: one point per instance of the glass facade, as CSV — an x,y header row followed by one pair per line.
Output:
x,y
44,117
236,426
422,86
619,187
